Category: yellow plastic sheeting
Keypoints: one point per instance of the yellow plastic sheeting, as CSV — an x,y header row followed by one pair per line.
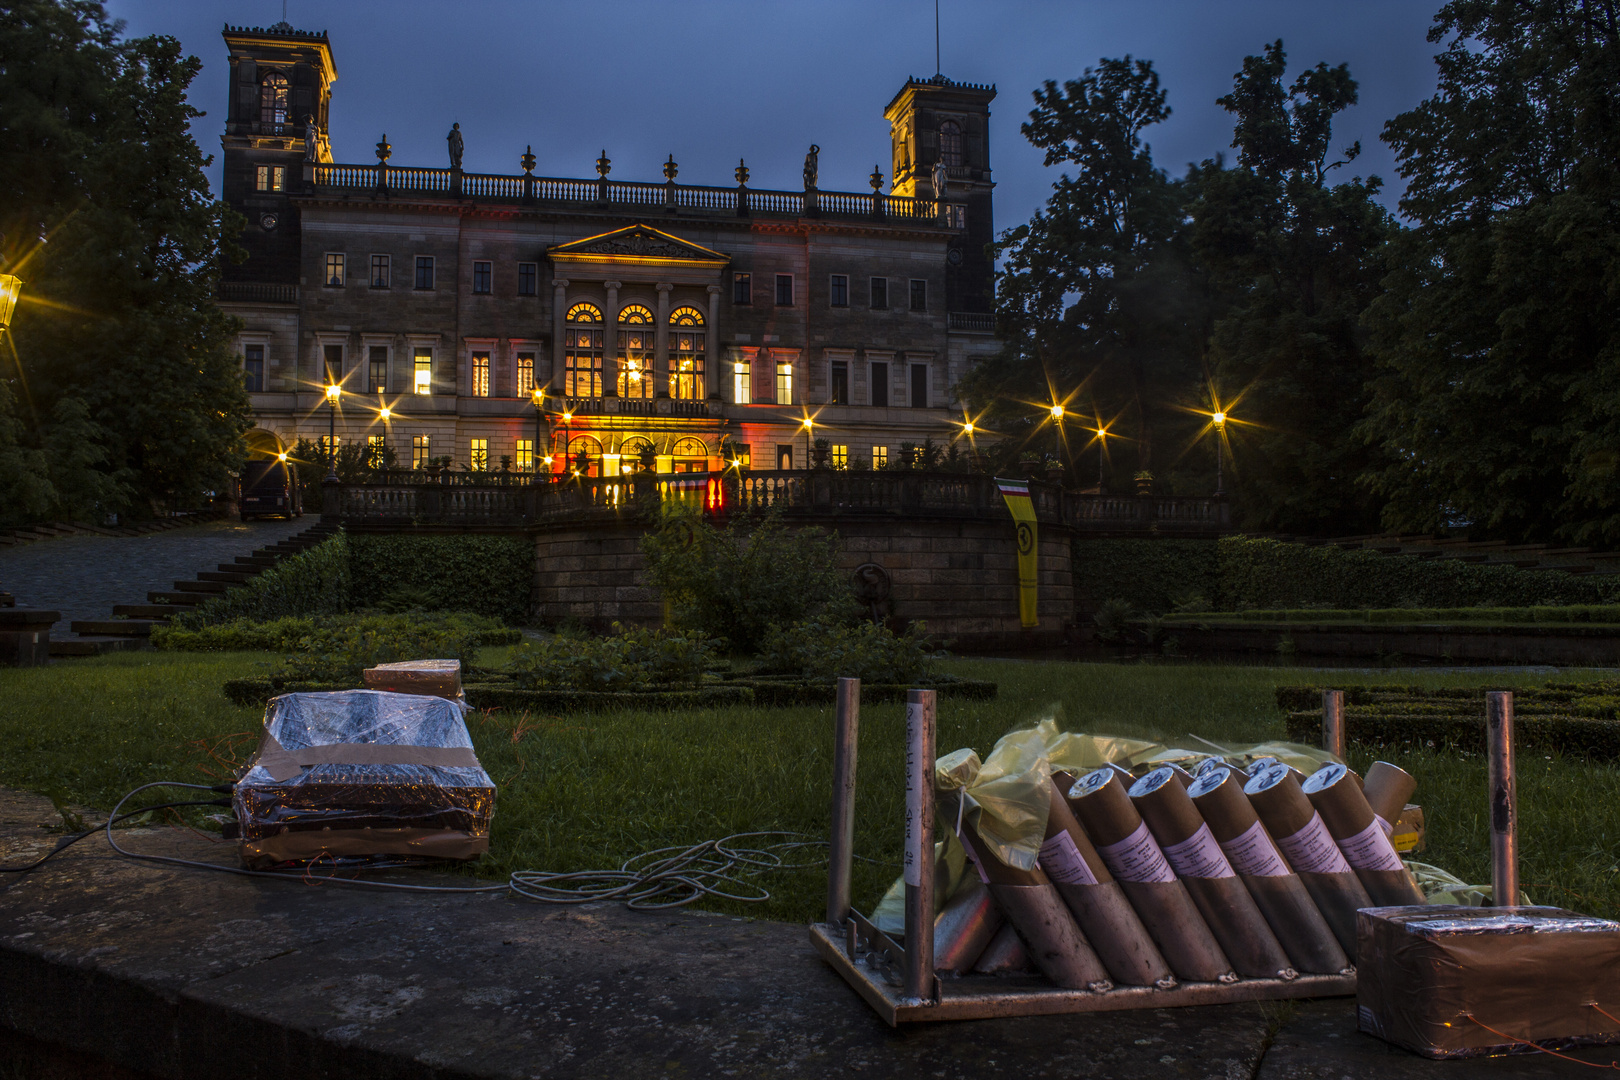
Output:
x,y
1441,887
1011,793
950,874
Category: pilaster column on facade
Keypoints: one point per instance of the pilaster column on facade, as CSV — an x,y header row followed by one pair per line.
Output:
x,y
559,313
711,345
661,384
610,340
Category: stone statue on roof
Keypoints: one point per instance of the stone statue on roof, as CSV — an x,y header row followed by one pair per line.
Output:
x,y
311,137
811,167
939,179
456,146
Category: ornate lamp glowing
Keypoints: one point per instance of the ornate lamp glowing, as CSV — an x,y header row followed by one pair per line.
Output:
x,y
333,393
1056,412
10,288
1219,420
538,396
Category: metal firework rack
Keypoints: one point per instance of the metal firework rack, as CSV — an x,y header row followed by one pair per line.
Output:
x,y
899,981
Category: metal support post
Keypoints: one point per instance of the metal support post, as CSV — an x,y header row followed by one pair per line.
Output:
x,y
920,981
841,845
1333,722
1504,799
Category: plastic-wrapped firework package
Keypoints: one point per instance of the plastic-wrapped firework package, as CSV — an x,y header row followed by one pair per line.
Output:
x,y
362,772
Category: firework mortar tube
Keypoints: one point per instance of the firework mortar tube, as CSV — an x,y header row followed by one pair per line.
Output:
x,y
1355,830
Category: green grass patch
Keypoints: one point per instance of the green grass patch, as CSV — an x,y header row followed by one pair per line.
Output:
x,y
580,791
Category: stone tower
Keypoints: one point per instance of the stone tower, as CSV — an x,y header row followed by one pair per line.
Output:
x,y
936,120
276,122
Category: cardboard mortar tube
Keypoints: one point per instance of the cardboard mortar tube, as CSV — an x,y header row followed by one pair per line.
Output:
x,y
1107,815
964,928
1366,847
1034,909
1308,848
1388,789
1096,899
1277,891
1228,908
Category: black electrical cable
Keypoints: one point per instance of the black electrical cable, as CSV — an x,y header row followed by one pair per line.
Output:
x,y
68,841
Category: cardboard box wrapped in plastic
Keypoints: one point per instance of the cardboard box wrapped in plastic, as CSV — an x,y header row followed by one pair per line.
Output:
x,y
362,772
1451,982
441,678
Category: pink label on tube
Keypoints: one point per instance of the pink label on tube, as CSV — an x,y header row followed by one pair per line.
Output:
x,y
1137,858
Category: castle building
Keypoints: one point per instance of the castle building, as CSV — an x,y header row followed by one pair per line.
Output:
x,y
498,319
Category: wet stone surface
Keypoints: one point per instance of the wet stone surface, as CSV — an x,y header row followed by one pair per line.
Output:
x,y
177,973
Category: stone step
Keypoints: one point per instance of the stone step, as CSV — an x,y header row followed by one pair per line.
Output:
x,y
262,562
241,569
201,586
113,627
234,577
181,599
155,612
97,646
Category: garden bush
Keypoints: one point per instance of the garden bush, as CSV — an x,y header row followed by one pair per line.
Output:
x,y
735,584
1605,614
628,659
507,696
284,635
490,575
823,649
313,582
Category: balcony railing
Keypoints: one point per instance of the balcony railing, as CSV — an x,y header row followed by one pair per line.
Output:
x,y
972,322
254,292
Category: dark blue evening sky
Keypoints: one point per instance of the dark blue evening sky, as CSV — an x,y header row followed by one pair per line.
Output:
x,y
716,80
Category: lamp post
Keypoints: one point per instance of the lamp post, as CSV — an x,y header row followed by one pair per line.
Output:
x,y
385,414
568,438
333,392
1102,453
10,288
1057,432
539,397
809,430
1219,419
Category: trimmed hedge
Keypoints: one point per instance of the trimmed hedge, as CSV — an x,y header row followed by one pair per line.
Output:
x,y
789,691
1556,696
499,696
313,582
260,689
1605,614
1152,575
489,575
286,635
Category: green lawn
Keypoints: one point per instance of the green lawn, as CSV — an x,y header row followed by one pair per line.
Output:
x,y
586,791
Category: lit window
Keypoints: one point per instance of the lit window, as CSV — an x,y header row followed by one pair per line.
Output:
x,y
784,382
956,215
690,456
919,386
838,292
686,354
880,457
635,352
253,368
582,352
742,289
950,143
525,374
481,276
381,271
334,269
270,178
840,456
273,99
744,455
333,354
919,294
378,370
422,382
421,452
424,271
784,456
840,382
880,293
784,290
525,455
376,451
741,384
528,279
480,374
478,455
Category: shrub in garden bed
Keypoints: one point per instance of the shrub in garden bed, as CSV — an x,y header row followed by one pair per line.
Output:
x,y
510,696
631,659
313,582
490,575
283,635
779,691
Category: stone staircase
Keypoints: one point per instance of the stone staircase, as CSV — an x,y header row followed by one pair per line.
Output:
x,y
131,624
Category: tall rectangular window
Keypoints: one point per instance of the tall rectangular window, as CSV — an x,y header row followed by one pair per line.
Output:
x,y
919,294
956,215
378,370
840,456
376,451
381,271
880,293
784,290
528,279
525,455
421,451
742,289
840,382
784,382
880,457
424,271
478,455
838,290
919,386
422,372
742,387
480,374
253,368
784,456
525,374
334,269
333,355
270,178
481,277
880,385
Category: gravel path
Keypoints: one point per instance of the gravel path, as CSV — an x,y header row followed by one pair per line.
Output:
x,y
84,576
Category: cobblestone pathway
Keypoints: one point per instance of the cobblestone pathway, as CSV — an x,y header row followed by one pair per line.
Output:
x,y
84,576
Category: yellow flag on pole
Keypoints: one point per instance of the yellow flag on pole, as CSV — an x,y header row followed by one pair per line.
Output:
x,y
1016,492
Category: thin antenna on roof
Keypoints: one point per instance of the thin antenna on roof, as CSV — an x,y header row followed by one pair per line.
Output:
x,y
936,36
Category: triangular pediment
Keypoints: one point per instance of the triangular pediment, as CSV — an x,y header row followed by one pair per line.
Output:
x,y
639,244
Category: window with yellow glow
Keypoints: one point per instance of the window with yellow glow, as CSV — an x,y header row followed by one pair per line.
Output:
x,y
690,455
784,382
273,99
630,452
525,455
478,455
742,386
585,456
421,451
840,456
687,354
422,379
480,374
334,270
880,457
525,374
376,451
582,352
635,352
270,178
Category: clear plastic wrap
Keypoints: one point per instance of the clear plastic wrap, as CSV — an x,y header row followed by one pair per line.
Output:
x,y
363,772
441,678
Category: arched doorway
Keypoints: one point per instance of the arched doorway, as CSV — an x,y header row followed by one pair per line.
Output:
x,y
690,455
263,445
589,446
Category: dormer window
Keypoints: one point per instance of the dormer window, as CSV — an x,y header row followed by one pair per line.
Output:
x,y
273,99
950,143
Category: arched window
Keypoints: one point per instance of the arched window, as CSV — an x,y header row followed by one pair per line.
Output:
x,y
950,143
690,456
630,452
273,99
582,353
686,354
635,352
585,456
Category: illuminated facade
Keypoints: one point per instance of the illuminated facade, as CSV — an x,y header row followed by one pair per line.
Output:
x,y
682,323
